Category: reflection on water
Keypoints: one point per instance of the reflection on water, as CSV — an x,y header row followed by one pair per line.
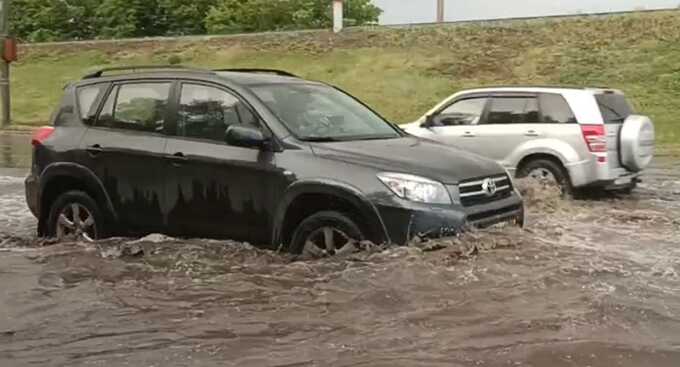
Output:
x,y
15,150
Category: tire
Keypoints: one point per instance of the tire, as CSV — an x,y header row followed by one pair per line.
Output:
x,y
87,208
556,170
637,138
313,229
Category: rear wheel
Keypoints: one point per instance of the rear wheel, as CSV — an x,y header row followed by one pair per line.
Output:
x,y
325,234
547,172
74,215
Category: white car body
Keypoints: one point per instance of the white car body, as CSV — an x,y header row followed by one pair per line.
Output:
x,y
516,144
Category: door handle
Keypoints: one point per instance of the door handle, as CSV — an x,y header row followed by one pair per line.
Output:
x,y
94,150
177,159
468,134
532,133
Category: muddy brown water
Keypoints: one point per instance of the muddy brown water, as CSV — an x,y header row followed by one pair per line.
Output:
x,y
587,283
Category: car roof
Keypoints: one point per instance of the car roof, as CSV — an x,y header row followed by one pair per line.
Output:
x,y
241,77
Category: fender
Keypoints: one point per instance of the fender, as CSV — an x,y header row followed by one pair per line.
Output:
x,y
328,187
83,175
557,148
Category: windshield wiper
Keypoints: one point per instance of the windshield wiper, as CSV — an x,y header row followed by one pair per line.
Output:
x,y
320,139
330,139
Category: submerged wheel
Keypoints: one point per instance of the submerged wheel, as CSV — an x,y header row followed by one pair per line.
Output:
x,y
326,234
74,215
547,172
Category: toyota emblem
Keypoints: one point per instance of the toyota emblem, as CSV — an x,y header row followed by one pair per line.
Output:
x,y
489,187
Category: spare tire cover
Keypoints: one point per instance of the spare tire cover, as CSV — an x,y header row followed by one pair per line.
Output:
x,y
637,142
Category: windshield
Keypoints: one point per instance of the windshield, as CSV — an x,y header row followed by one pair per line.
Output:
x,y
322,113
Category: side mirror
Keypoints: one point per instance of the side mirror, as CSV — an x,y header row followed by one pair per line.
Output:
x,y
245,136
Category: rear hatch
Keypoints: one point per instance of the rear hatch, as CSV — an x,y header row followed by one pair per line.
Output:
x,y
615,110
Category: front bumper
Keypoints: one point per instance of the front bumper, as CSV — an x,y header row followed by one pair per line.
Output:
x,y
406,220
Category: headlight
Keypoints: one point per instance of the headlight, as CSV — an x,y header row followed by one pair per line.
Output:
x,y
415,188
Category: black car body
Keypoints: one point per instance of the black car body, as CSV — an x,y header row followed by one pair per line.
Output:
x,y
155,161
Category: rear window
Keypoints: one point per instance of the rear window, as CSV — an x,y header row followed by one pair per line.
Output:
x,y
556,110
87,96
513,110
614,107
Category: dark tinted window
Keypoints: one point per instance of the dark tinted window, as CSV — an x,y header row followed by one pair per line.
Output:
x,y
87,96
139,107
556,110
206,112
65,113
513,110
614,107
465,112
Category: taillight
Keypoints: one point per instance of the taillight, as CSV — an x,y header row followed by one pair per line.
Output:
x,y
42,134
596,138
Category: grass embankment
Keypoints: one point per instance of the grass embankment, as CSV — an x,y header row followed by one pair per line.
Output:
x,y
403,72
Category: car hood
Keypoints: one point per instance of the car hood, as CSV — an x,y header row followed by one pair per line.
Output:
x,y
413,156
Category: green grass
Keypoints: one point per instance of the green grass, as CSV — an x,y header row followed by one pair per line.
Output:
x,y
403,72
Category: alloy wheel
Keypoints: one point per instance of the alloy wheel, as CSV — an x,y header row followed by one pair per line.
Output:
x,y
76,222
543,175
328,241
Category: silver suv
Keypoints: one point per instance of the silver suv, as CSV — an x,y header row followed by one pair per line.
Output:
x,y
575,137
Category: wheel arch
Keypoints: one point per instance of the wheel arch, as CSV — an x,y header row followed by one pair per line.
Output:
x,y
563,152
302,199
61,177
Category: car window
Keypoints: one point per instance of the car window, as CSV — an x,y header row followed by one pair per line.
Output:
x,y
465,112
556,110
513,110
614,107
139,107
87,96
206,112
320,113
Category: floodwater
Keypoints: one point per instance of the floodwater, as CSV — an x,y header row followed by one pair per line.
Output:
x,y
587,283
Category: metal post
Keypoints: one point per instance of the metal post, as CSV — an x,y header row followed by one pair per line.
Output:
x,y
440,11
4,66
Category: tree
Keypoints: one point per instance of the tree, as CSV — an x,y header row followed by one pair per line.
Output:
x,y
53,20
232,16
57,20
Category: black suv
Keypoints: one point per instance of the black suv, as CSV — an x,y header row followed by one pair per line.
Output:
x,y
250,155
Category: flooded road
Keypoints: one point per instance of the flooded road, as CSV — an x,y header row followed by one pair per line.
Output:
x,y
588,283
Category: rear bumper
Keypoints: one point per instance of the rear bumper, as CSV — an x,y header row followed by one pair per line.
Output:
x,y
408,220
590,173
32,185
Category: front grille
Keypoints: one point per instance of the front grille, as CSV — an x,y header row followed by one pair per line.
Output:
x,y
493,214
476,192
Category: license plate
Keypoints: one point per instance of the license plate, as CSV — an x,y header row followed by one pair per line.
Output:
x,y
623,181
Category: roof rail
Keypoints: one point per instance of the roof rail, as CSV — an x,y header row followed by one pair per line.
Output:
x,y
99,73
258,70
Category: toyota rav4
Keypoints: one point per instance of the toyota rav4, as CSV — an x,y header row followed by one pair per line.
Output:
x,y
250,155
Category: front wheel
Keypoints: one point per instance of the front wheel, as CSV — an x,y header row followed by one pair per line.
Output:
x,y
74,215
547,172
326,234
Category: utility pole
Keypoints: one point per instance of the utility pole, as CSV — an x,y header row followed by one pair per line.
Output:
x,y
440,11
4,64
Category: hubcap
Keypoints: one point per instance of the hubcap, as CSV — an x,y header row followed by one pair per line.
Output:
x,y
543,175
76,222
328,241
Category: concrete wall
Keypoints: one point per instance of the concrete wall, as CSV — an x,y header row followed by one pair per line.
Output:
x,y
425,11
